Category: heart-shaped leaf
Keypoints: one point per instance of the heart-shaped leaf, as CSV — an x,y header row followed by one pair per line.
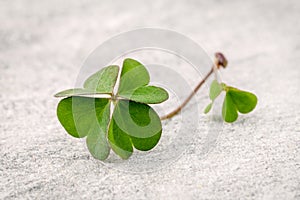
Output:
x,y
81,115
104,80
229,111
215,90
119,141
133,76
244,101
147,94
208,108
134,123
96,141
74,92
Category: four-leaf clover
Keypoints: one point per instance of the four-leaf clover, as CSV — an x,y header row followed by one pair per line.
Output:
x,y
235,101
86,112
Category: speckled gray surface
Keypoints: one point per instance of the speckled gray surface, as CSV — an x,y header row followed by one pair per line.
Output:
x,y
42,45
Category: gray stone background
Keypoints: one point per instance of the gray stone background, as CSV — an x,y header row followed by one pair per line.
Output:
x,y
42,46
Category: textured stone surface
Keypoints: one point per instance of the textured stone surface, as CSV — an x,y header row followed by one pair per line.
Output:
x,y
42,45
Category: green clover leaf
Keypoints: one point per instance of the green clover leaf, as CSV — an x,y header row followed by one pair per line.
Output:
x,y
133,122
215,90
208,108
133,76
244,101
235,101
104,80
229,111
146,94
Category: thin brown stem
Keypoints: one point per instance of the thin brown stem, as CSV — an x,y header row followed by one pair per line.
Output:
x,y
179,108
220,61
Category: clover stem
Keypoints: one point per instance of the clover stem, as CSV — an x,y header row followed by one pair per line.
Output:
x,y
220,61
179,108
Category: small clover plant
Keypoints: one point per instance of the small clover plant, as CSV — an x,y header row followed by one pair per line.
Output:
x,y
235,101
132,123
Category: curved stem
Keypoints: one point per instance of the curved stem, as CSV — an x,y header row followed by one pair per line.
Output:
x,y
220,61
179,108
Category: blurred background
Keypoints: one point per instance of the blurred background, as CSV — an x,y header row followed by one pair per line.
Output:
x,y
43,45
